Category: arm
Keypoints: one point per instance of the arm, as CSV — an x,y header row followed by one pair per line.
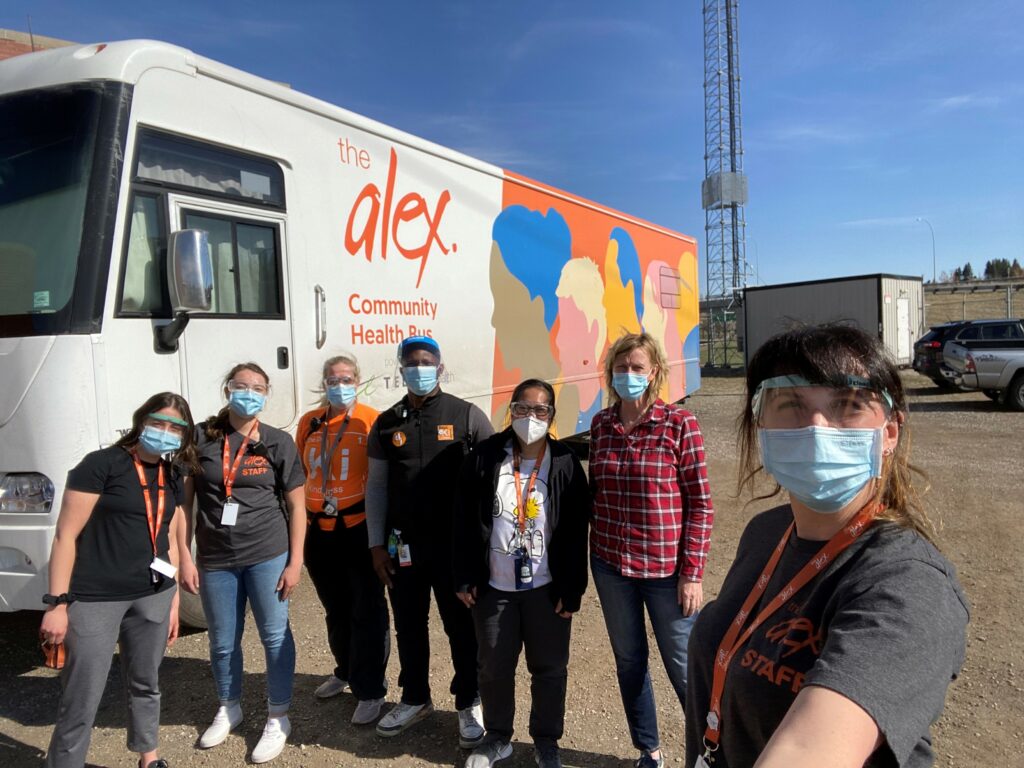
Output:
x,y
76,508
174,538
465,546
822,728
480,426
188,574
698,516
573,525
376,517
295,500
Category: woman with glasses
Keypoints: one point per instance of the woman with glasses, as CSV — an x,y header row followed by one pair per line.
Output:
x,y
250,528
839,626
332,443
651,531
112,570
520,564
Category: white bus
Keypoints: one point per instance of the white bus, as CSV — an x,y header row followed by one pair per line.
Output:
x,y
326,232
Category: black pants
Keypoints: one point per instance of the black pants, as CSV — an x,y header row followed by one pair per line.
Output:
x,y
358,630
505,622
410,601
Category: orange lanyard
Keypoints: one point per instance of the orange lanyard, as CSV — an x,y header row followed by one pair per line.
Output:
x,y
730,644
231,470
154,526
516,460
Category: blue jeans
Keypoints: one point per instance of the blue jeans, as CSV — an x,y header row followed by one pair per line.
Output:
x,y
622,600
224,594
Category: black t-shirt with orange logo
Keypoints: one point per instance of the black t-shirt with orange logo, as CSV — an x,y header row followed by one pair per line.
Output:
x,y
884,625
114,549
270,467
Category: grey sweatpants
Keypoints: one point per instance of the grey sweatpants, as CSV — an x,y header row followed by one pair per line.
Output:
x,y
94,629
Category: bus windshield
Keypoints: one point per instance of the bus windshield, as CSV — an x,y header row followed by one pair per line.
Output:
x,y
47,148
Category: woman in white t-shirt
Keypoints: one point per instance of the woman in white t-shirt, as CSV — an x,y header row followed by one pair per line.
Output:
x,y
520,564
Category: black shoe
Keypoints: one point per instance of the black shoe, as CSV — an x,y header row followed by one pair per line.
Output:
x,y
158,763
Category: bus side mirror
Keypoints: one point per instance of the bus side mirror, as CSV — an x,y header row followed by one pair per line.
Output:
x,y
189,282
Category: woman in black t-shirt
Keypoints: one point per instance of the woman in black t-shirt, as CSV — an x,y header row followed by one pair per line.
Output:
x,y
112,570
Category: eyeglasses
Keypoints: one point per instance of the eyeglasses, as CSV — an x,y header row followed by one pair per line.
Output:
x,y
540,410
241,386
335,381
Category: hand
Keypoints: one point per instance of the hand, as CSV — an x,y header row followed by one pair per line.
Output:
x,y
560,612
188,576
690,595
55,624
173,627
289,580
468,598
383,566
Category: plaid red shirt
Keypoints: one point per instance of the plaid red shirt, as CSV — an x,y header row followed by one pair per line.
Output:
x,y
652,504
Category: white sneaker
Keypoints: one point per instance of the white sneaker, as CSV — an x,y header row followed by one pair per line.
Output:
x,y
271,743
224,722
489,753
367,711
471,725
403,716
331,687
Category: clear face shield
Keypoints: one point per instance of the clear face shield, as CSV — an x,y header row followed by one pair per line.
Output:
x,y
793,402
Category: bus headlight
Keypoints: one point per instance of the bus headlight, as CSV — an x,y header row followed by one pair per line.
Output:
x,y
25,492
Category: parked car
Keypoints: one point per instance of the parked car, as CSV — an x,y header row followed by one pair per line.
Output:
x,y
928,352
988,355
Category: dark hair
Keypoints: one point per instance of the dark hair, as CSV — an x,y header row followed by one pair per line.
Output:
x,y
186,455
826,355
526,384
217,426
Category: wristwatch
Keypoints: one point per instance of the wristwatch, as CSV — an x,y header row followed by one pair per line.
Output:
x,y
56,599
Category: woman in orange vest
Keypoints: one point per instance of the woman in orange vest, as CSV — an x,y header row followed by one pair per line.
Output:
x,y
332,443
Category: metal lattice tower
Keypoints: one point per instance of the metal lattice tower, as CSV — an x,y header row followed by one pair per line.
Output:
x,y
724,191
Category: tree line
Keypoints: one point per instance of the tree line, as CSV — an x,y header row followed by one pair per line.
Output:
x,y
995,269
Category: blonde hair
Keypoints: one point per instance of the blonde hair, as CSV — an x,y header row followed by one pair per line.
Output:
x,y
623,346
330,362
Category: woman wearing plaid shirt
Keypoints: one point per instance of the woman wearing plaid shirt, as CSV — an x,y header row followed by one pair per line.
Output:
x,y
651,528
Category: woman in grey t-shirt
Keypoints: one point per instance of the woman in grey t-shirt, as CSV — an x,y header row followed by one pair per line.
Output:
x,y
839,627
249,551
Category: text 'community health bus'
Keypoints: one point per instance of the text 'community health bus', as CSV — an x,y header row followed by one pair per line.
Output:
x,y
327,232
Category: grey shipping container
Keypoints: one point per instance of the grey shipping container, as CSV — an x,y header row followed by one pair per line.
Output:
x,y
890,305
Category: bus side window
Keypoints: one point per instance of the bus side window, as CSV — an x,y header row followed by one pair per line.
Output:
x,y
143,290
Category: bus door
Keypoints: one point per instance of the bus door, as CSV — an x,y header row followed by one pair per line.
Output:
x,y
250,319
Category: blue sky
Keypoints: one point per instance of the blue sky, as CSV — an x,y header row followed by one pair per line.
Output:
x,y
858,117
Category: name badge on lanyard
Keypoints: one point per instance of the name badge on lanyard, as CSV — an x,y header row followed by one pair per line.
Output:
x,y
229,513
159,567
523,557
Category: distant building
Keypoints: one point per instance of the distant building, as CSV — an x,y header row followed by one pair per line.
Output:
x,y
14,43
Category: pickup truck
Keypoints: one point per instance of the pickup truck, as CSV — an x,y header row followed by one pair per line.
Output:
x,y
988,355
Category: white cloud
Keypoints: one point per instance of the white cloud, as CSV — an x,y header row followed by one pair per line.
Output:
x,y
966,101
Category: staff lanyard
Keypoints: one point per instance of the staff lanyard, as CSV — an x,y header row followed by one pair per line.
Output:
x,y
326,456
516,461
730,644
231,470
154,526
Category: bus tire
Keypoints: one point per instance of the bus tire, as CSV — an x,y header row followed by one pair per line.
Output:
x,y
1015,393
190,610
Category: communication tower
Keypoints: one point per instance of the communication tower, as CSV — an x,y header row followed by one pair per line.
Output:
x,y
724,191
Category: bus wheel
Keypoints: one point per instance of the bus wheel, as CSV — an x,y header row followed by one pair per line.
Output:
x,y
190,610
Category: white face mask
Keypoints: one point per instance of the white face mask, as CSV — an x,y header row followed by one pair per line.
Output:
x,y
529,429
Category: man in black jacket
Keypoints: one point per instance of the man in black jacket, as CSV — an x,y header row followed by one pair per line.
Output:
x,y
416,448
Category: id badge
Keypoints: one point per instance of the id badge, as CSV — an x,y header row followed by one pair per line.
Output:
x,y
524,569
330,509
229,515
404,555
700,762
163,568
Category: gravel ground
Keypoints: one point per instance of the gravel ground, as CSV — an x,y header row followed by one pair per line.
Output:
x,y
974,457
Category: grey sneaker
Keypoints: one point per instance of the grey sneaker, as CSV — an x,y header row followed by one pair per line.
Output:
x,y
331,687
367,711
489,753
547,757
403,716
646,761
471,725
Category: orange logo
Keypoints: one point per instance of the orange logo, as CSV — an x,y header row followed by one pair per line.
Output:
x,y
398,439
795,634
445,431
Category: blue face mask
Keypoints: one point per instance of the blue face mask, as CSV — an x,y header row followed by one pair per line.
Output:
x,y
824,468
158,441
420,379
630,386
342,395
247,403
